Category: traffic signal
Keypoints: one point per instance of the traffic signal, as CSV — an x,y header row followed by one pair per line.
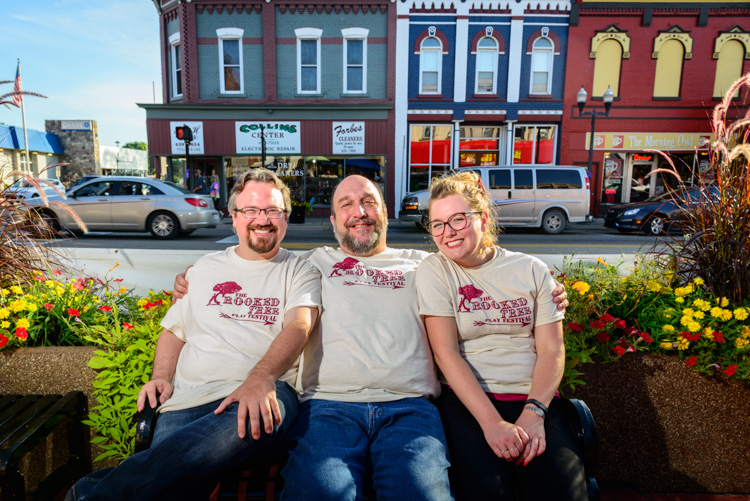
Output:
x,y
184,133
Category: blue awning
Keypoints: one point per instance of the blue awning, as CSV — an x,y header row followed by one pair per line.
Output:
x,y
11,138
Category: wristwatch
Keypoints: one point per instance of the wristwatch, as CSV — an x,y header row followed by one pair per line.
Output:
x,y
539,412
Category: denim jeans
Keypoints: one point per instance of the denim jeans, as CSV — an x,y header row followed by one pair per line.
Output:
x,y
333,446
191,450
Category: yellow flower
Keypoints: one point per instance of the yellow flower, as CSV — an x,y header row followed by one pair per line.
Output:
x,y
708,332
725,315
600,260
694,326
741,342
23,323
698,281
686,320
581,287
699,315
701,304
740,313
4,313
4,292
666,346
688,311
124,289
680,299
32,307
18,305
16,289
85,308
667,315
142,302
49,283
667,328
723,302
591,297
653,286
745,332
4,324
683,344
715,312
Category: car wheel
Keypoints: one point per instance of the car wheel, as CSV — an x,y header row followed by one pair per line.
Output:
x,y
49,221
553,222
423,223
163,225
655,226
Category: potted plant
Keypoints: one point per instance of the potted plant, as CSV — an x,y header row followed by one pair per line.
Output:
x,y
300,209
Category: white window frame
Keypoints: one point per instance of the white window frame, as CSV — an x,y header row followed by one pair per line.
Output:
x,y
534,52
174,42
355,34
226,34
306,34
496,51
439,50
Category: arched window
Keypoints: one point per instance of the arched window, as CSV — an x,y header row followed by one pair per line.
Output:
x,y
486,74
541,66
607,68
230,60
728,67
669,69
430,66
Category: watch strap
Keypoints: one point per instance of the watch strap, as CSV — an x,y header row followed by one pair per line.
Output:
x,y
537,403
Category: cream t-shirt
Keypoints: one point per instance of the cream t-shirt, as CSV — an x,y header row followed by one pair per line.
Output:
x,y
233,311
370,344
496,307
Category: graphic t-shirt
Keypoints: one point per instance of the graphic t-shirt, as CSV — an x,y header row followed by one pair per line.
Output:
x,y
228,319
496,307
370,344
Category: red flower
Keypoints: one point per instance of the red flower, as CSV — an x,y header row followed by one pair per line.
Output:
x,y
127,325
21,333
118,280
691,361
619,350
49,306
632,331
39,278
105,308
729,371
73,312
57,272
596,324
79,284
719,338
159,302
603,337
606,318
620,324
3,341
646,337
574,327
692,337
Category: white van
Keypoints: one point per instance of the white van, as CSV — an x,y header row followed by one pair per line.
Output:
x,y
538,196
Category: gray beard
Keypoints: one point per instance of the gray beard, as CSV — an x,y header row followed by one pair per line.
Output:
x,y
358,247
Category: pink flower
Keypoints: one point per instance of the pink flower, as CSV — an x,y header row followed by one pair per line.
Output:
x,y
729,371
127,325
620,324
691,361
49,306
603,337
22,333
73,312
619,350
105,308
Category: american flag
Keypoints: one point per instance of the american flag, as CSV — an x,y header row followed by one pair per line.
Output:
x,y
17,96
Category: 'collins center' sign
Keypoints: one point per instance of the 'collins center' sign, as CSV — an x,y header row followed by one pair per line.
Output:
x,y
282,138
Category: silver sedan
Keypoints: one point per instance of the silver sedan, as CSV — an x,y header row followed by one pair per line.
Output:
x,y
126,203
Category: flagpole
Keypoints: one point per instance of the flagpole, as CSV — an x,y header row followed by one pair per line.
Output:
x,y
25,134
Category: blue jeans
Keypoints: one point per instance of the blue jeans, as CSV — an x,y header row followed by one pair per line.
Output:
x,y
333,445
190,452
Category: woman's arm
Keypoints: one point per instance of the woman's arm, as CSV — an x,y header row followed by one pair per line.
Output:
x,y
506,439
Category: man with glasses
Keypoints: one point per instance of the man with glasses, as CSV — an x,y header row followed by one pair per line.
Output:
x,y
226,359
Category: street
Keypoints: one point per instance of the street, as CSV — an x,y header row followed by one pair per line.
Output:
x,y
590,238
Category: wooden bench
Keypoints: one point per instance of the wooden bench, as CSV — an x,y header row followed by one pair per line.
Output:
x,y
261,480
25,421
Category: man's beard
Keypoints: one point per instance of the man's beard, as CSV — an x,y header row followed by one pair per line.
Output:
x,y
359,247
262,245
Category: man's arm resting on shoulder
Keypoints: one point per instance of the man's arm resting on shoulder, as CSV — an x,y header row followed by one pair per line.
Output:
x,y
168,349
559,294
180,285
257,394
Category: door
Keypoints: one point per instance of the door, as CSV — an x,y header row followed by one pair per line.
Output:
x,y
523,198
132,203
640,182
92,204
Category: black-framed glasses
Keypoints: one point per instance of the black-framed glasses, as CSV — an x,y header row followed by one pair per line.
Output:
x,y
457,221
254,212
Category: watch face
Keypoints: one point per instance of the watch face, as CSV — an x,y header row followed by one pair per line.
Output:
x,y
539,412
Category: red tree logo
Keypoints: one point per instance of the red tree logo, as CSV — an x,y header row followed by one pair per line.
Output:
x,y
347,264
468,292
222,289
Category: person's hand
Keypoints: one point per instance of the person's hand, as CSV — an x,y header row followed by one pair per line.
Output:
x,y
150,390
257,400
533,425
559,294
180,285
507,440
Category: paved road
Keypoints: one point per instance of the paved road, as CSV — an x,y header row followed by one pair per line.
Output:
x,y
576,239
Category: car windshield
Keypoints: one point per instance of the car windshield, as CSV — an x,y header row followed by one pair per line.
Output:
x,y
175,186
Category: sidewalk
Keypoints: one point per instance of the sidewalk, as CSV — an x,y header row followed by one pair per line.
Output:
x,y
631,495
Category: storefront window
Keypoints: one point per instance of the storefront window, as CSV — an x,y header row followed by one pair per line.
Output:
x,y
479,146
614,165
534,144
429,154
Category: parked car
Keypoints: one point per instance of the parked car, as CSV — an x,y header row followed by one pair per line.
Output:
x,y
537,196
24,188
129,203
657,215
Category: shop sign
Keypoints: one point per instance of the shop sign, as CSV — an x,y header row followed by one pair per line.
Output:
x,y
287,169
75,125
178,145
348,138
639,141
282,138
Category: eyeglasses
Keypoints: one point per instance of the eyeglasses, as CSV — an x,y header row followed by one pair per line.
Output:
x,y
457,221
254,212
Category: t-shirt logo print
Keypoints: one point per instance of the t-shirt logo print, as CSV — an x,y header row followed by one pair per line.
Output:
x,y
239,306
366,275
468,292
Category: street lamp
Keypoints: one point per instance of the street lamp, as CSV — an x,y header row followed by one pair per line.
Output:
x,y
608,97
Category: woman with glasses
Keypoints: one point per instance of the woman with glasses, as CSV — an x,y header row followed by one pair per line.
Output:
x,y
497,339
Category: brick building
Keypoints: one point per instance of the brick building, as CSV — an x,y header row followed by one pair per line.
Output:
x,y
668,64
305,88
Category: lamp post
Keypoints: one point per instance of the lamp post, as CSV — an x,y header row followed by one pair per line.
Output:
x,y
607,98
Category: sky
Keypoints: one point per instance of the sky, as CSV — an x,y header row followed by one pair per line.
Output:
x,y
93,59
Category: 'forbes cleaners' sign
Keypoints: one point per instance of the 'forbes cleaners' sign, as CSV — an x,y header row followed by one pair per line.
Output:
x,y
348,138
282,138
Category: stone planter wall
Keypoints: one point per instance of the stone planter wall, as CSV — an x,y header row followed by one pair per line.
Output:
x,y
664,428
